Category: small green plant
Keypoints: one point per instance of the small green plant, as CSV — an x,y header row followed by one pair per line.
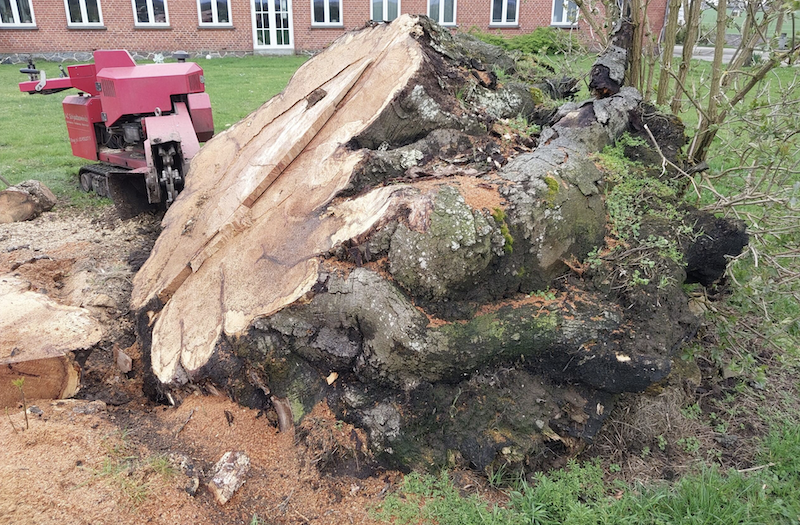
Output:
x,y
693,411
689,443
547,295
20,384
662,442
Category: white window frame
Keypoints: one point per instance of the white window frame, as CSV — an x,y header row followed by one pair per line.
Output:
x,y
84,15
504,14
440,21
327,12
15,15
385,10
215,16
565,12
150,15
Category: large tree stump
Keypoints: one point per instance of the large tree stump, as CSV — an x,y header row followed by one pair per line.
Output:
x,y
380,220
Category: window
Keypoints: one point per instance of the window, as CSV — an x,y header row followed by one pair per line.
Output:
x,y
505,12
149,13
443,11
565,13
214,12
384,10
83,13
326,12
16,13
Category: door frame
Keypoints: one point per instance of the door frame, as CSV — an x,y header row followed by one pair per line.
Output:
x,y
272,49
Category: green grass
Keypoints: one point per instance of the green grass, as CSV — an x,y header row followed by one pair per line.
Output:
x,y
33,136
580,495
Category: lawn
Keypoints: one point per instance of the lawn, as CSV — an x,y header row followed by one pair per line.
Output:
x,y
33,134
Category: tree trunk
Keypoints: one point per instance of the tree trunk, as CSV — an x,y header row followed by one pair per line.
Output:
x,y
381,236
670,31
692,28
705,132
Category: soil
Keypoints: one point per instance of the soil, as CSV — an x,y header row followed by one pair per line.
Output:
x,y
111,455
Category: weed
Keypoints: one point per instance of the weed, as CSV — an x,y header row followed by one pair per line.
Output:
x,y
20,384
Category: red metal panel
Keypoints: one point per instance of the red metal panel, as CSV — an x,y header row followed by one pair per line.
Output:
x,y
83,78
81,113
203,120
51,83
142,89
172,128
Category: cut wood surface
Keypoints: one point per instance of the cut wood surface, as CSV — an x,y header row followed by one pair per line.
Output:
x,y
38,338
25,201
251,216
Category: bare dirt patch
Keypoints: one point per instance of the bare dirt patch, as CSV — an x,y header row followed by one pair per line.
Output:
x,y
112,456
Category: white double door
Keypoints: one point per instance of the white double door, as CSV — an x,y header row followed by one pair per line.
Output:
x,y
272,25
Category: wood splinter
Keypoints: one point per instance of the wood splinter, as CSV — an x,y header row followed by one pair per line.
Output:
x,y
229,475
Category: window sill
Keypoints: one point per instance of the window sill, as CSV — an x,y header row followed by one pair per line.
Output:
x,y
152,26
564,26
327,26
216,26
504,26
83,27
18,28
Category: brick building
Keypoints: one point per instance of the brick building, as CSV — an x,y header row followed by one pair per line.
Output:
x,y
73,28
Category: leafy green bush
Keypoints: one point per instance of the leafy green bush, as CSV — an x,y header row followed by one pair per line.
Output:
x,y
544,40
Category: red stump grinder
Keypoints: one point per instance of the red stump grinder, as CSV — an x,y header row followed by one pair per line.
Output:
x,y
143,123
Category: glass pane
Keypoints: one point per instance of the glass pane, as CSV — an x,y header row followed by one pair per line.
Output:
x,y
497,10
74,11
257,4
433,9
319,11
25,16
222,12
511,14
558,11
335,17
377,10
159,14
392,10
141,11
572,13
6,14
206,15
449,11
93,11
265,22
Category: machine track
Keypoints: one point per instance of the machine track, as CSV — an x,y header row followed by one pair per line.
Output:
x,y
94,177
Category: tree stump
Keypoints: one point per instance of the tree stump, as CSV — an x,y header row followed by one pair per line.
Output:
x,y
384,222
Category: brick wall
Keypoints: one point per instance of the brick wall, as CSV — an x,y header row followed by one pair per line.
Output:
x,y
119,32
52,35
